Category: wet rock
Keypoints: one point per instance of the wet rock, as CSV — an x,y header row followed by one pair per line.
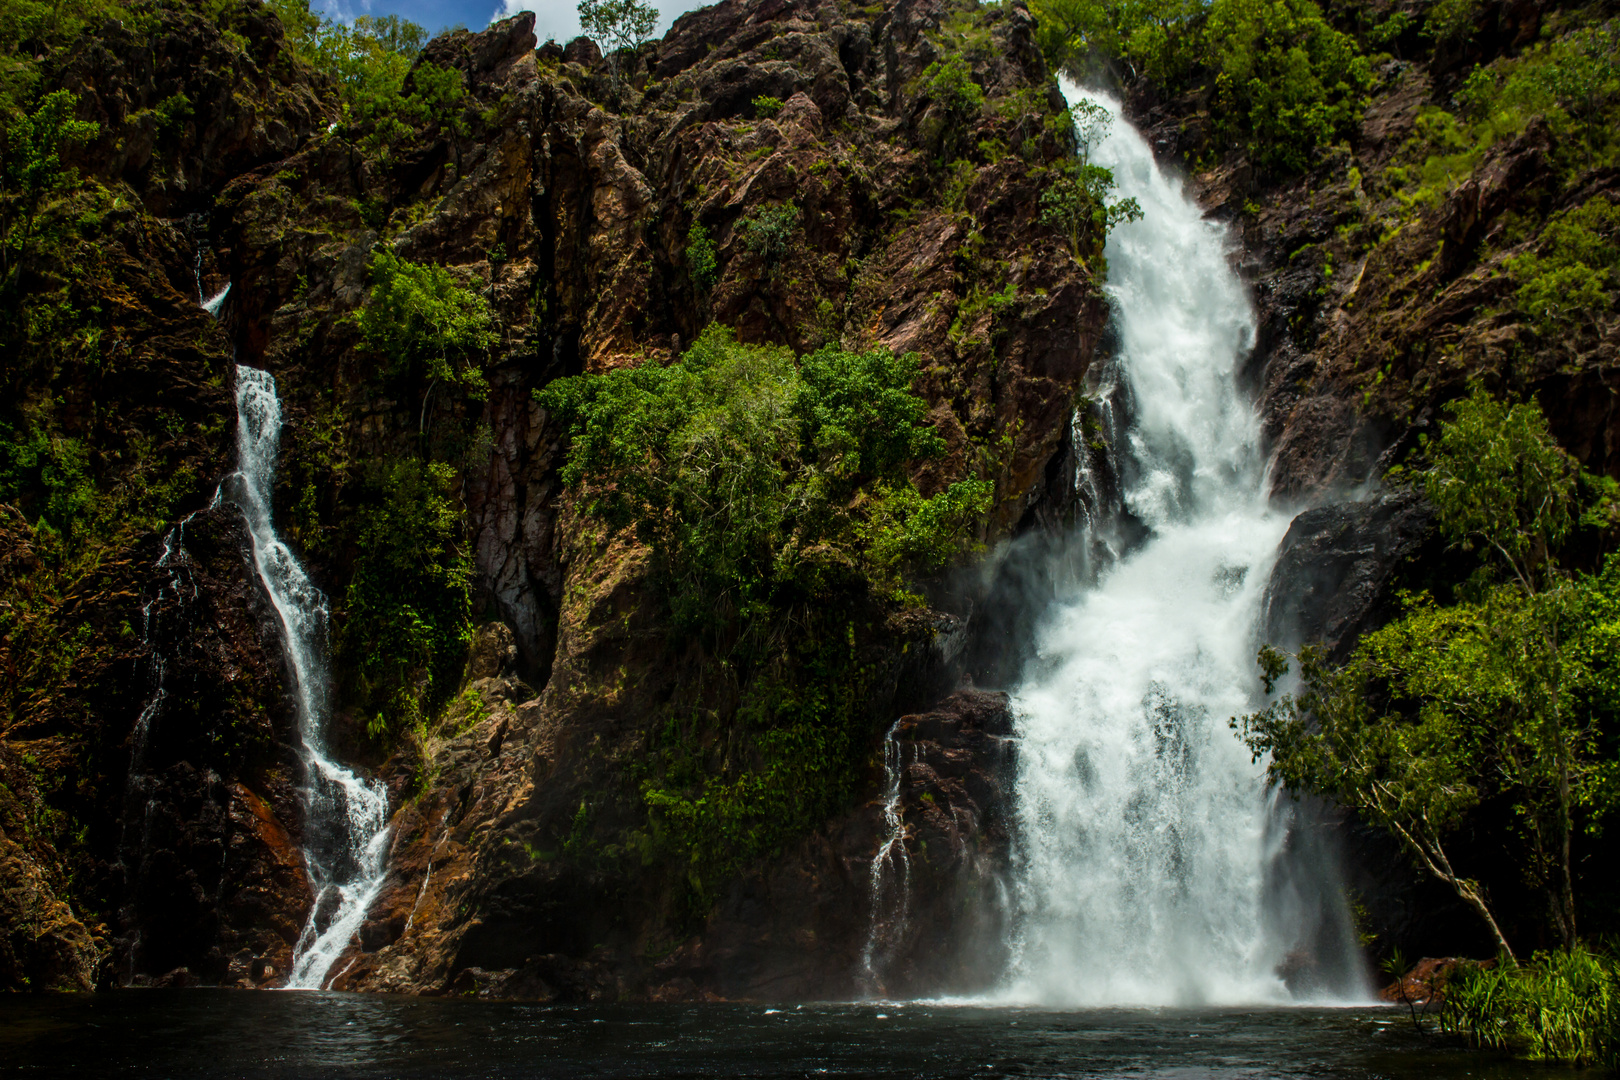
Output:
x,y
1332,579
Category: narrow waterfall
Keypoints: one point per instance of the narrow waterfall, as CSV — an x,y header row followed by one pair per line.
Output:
x,y
1147,837
346,819
890,886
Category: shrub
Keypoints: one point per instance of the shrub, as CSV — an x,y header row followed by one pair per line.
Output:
x,y
423,321
1076,204
758,482
767,106
775,499
405,621
1286,82
1571,275
950,82
769,232
702,263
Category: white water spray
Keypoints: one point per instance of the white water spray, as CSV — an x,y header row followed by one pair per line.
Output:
x,y
1146,838
346,820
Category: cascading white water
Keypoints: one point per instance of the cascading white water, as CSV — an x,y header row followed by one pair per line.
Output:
x,y
890,886
1145,844
212,304
346,820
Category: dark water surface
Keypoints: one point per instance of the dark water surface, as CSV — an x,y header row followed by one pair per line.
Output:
x,y
204,1033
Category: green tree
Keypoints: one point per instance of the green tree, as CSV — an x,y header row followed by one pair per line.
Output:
x,y
1503,695
424,322
385,93
33,170
405,623
618,26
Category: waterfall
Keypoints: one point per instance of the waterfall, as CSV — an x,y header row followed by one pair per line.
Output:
x,y
1148,845
890,885
212,303
346,819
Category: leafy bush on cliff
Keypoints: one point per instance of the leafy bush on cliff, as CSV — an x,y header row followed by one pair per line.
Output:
x,y
424,322
371,60
1572,83
1571,275
33,172
30,31
758,481
405,625
950,82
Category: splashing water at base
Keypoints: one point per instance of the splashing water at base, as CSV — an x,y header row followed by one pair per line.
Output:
x,y
1147,838
346,822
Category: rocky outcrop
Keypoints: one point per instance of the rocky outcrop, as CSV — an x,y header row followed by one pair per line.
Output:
x,y
1335,571
475,906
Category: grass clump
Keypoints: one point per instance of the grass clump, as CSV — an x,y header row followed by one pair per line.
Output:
x,y
1560,1006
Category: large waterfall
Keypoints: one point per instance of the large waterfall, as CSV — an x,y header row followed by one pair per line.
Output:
x,y
346,818
1149,847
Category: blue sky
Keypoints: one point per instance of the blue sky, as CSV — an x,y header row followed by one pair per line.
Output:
x,y
553,18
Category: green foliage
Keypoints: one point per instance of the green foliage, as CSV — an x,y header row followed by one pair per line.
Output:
x,y
419,318
1498,479
1571,81
800,723
404,628
1561,1006
950,83
768,232
767,106
757,482
49,471
371,60
1501,697
1571,277
776,502
1285,81
1076,204
702,261
1452,20
33,171
31,31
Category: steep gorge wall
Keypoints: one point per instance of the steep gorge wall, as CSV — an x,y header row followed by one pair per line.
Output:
x,y
566,201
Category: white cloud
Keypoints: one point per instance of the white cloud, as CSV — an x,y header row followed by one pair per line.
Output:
x,y
559,19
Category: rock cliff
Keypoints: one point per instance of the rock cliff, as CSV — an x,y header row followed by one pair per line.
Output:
x,y
150,810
